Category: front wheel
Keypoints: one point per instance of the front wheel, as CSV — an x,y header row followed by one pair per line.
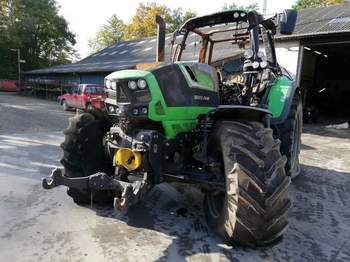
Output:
x,y
252,210
65,105
84,154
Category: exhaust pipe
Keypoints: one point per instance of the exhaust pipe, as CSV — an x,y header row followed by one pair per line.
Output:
x,y
160,39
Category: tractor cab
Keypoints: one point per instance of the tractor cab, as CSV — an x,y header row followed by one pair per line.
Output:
x,y
239,46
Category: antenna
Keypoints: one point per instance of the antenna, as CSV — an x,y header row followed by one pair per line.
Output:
x,y
264,7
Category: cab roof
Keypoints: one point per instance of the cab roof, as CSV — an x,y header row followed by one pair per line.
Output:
x,y
225,17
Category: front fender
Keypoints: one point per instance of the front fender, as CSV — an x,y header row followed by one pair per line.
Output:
x,y
280,99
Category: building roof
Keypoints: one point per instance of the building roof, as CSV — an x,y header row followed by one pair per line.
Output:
x,y
311,22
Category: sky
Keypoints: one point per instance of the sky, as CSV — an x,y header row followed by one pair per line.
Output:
x,y
85,17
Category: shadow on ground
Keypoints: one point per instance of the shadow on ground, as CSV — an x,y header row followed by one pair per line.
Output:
x,y
319,228
321,130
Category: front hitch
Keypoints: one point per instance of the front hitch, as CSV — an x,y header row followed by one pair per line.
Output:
x,y
129,193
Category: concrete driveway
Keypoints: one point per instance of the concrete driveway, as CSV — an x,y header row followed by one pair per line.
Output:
x,y
40,225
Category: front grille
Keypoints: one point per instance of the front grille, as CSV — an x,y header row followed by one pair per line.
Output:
x,y
121,96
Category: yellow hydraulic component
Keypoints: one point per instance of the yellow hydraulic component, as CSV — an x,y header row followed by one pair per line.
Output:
x,y
127,158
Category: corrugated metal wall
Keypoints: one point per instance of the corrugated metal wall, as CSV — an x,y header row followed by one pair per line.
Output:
x,y
92,79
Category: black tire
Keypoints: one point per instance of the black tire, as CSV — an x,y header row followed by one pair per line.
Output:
x,y
289,132
65,106
253,210
84,153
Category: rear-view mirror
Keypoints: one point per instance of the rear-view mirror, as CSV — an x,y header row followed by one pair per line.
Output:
x,y
287,21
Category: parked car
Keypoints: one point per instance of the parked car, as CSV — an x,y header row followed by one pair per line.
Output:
x,y
9,85
84,96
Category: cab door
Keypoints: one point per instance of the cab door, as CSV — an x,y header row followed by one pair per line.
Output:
x,y
71,99
80,101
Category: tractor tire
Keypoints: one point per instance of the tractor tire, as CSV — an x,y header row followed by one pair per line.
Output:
x,y
253,208
84,154
289,132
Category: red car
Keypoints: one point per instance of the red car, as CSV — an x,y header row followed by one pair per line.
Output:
x,y
84,96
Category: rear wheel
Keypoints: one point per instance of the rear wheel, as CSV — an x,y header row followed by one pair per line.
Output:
x,y
84,153
253,208
289,132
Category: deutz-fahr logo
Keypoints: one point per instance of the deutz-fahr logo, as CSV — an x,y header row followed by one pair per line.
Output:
x,y
202,98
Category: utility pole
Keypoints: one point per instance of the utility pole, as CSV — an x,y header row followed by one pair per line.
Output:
x,y
19,61
264,7
19,66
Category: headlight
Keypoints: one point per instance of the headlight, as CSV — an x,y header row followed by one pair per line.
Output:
x,y
111,109
256,65
248,54
114,85
144,110
108,83
142,84
263,64
132,85
236,15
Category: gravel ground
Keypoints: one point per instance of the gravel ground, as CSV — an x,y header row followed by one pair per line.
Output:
x,y
45,225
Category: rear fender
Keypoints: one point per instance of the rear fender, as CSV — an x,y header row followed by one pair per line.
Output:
x,y
247,113
280,99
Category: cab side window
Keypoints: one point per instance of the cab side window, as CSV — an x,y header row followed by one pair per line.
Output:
x,y
80,90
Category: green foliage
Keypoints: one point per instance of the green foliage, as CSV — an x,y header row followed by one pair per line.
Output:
x,y
142,25
301,4
34,27
233,6
108,34
177,18
143,22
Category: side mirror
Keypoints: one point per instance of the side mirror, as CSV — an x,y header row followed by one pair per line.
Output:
x,y
287,21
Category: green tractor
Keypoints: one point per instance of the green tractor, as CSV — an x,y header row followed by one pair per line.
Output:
x,y
228,124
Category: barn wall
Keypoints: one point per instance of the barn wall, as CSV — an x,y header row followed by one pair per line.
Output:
x,y
93,79
287,55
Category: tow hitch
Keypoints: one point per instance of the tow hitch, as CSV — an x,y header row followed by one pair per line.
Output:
x,y
129,193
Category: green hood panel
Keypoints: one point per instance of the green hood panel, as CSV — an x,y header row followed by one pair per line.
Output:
x,y
174,119
279,92
128,74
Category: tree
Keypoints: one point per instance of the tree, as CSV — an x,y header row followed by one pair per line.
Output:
x,y
233,6
35,27
143,23
301,4
108,34
177,18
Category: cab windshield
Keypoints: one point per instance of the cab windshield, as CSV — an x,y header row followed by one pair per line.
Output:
x,y
207,42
